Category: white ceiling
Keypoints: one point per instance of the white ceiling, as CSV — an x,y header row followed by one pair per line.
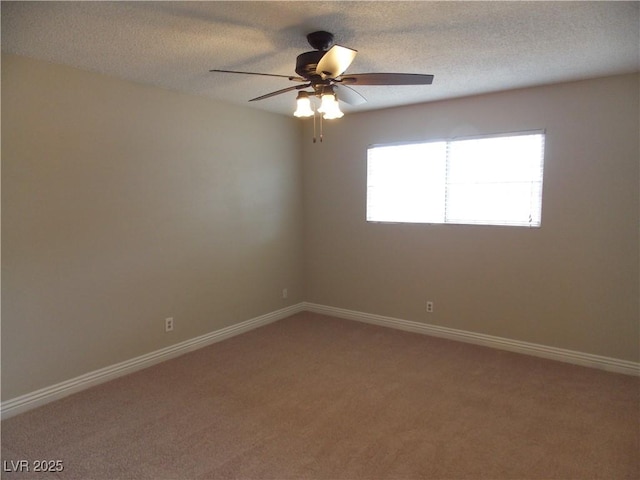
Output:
x,y
470,47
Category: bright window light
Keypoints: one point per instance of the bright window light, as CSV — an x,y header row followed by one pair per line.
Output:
x,y
489,180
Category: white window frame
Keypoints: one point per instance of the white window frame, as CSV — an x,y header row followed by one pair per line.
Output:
x,y
439,168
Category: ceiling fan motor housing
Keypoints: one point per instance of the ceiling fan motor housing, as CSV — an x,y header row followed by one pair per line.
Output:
x,y
307,62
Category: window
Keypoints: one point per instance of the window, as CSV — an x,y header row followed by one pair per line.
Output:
x,y
489,180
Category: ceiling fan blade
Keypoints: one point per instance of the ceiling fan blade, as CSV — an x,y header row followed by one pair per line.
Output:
x,y
278,92
387,79
335,61
349,95
295,79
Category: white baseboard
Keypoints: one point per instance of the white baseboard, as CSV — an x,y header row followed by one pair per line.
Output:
x,y
45,395
553,353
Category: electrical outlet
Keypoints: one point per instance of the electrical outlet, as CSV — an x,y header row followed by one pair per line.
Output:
x,y
168,324
285,293
430,306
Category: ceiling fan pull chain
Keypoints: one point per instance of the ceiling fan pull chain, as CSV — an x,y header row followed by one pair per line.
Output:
x,y
314,126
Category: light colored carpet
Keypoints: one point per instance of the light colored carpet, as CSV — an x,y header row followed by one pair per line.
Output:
x,y
313,397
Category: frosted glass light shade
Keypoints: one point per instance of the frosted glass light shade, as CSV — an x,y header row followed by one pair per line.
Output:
x,y
303,105
329,107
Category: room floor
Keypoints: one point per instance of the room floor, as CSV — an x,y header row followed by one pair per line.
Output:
x,y
317,397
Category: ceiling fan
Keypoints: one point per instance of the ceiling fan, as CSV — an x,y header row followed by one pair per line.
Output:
x,y
323,70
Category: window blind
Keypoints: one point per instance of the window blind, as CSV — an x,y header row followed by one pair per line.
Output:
x,y
488,180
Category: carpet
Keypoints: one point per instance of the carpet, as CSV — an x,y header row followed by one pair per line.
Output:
x,y
315,397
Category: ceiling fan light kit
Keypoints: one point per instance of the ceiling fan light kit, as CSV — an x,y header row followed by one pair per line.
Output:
x,y
322,70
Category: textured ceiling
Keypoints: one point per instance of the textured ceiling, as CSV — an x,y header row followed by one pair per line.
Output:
x,y
470,47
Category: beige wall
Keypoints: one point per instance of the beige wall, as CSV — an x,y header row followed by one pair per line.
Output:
x,y
123,204
571,284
